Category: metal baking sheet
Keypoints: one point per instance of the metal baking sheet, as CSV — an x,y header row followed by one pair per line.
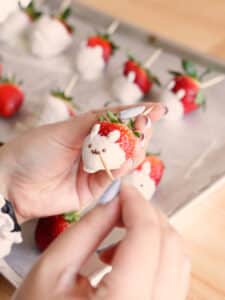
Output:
x,y
192,149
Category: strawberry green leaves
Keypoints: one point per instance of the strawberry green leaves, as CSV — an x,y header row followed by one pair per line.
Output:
x,y
190,68
60,94
112,117
32,12
72,217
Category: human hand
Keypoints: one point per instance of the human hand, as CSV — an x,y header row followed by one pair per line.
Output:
x,y
43,173
148,264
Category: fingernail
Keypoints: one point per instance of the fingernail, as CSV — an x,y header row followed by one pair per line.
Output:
x,y
142,140
148,122
131,112
110,193
103,249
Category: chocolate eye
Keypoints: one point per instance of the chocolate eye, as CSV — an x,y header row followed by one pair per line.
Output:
x,y
141,185
103,150
89,146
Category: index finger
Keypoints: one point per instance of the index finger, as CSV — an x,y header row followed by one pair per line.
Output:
x,y
135,262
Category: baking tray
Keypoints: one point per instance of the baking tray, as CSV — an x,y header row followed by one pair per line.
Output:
x,y
192,149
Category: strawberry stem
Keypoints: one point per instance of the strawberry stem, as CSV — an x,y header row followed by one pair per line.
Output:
x,y
72,217
60,94
31,11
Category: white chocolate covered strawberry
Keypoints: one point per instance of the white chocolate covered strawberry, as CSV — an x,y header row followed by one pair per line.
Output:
x,y
93,56
57,107
18,22
111,141
183,95
51,35
8,7
134,83
147,176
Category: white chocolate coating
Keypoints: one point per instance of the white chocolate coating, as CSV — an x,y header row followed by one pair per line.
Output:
x,y
126,90
15,25
90,62
54,110
142,181
49,37
7,7
175,106
112,153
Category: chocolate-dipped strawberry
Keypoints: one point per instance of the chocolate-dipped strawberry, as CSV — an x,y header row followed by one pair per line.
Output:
x,y
109,144
147,176
134,83
18,22
51,35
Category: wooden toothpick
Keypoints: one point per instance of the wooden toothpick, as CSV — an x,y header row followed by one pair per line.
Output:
x,y
145,113
109,173
113,27
71,85
64,5
150,61
212,82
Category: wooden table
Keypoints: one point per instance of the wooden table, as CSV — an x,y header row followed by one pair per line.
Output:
x,y
201,25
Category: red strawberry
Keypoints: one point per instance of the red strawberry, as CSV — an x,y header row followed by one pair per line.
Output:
x,y
191,88
157,168
11,98
190,83
63,19
104,42
128,135
143,78
50,228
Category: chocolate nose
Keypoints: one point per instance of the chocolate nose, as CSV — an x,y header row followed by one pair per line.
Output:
x,y
94,151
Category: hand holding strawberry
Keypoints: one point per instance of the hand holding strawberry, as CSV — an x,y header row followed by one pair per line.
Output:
x,y
49,228
45,172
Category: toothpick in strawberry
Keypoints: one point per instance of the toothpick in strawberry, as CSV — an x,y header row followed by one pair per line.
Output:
x,y
147,176
51,35
94,55
49,228
111,141
11,97
134,83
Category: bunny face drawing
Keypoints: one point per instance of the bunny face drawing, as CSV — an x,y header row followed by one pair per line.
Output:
x,y
173,101
126,90
96,145
142,181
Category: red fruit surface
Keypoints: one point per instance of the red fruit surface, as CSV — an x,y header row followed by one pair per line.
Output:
x,y
48,229
127,138
11,99
157,168
141,75
104,43
191,87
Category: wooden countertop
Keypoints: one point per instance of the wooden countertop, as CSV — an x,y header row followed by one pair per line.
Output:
x,y
201,25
